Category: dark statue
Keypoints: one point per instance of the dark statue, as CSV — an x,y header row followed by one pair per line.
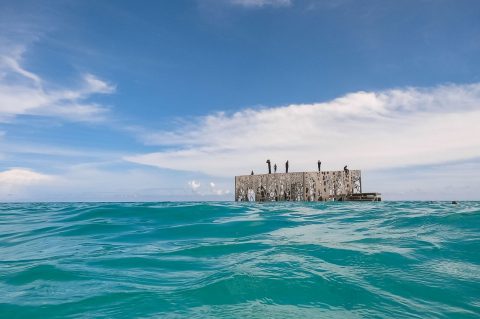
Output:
x,y
319,165
275,168
269,167
286,167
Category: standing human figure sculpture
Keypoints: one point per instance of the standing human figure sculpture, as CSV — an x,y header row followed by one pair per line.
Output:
x,y
251,173
275,168
269,167
319,165
286,167
345,169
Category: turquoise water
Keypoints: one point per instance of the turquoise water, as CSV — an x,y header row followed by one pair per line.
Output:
x,y
230,260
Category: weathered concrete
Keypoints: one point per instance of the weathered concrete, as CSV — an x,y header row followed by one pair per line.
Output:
x,y
303,186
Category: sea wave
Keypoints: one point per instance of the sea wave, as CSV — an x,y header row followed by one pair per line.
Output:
x,y
240,260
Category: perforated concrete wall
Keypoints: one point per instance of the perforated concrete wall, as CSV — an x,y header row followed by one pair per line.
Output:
x,y
304,186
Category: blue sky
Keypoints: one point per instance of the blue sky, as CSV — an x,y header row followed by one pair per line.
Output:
x,y
168,100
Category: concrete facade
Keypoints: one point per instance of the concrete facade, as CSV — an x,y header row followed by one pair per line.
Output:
x,y
303,186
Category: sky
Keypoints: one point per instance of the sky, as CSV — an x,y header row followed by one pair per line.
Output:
x,y
169,100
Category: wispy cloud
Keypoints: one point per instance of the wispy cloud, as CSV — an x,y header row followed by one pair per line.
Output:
x,y
368,130
261,3
23,92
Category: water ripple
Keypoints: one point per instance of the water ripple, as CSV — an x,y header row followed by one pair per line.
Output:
x,y
237,260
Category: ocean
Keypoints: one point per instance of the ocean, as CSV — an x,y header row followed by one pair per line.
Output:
x,y
240,260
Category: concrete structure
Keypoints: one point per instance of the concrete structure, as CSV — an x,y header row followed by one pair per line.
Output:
x,y
303,186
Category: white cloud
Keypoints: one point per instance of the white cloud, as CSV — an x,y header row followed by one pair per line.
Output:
x,y
22,176
95,85
13,65
218,191
211,190
24,93
15,180
262,3
367,130
194,185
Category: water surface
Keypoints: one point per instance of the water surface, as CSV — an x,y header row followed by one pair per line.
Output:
x,y
232,260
